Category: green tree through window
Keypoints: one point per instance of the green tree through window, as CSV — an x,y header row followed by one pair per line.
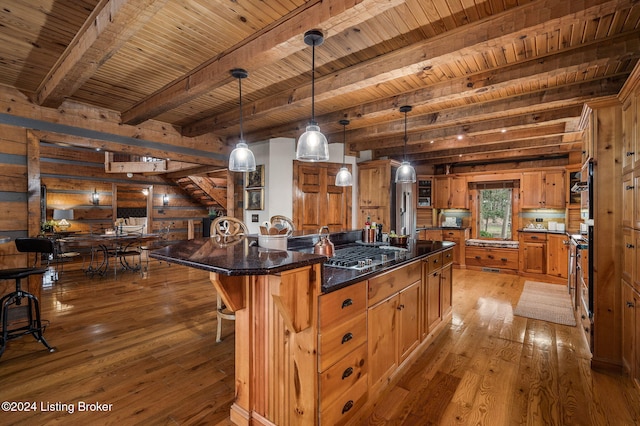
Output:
x,y
495,213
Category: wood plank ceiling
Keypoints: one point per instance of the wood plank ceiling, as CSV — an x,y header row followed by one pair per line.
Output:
x,y
489,80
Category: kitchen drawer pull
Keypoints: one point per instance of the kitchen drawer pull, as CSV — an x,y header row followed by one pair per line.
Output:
x,y
346,338
346,303
478,257
490,256
504,259
400,307
435,260
534,237
347,373
348,406
630,153
630,246
628,187
630,304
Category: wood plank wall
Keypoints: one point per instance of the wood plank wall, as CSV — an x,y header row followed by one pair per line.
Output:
x,y
72,174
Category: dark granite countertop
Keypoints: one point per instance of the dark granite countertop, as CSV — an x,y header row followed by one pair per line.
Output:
x,y
242,257
233,256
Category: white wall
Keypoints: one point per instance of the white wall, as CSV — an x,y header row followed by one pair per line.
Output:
x,y
277,156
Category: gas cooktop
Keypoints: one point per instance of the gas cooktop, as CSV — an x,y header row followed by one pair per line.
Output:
x,y
363,256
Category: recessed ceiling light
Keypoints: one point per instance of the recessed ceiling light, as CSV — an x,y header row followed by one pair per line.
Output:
x,y
430,141
460,137
504,130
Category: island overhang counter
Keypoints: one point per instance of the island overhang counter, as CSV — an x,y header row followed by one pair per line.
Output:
x,y
285,356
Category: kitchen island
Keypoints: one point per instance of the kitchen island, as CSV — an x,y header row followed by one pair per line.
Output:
x,y
315,344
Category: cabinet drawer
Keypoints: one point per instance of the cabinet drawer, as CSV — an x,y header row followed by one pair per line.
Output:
x,y
341,305
392,282
492,258
433,262
531,237
447,256
342,339
342,409
339,378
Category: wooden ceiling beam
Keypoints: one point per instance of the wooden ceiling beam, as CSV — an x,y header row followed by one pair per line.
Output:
x,y
409,61
525,122
563,97
508,154
488,139
566,63
108,28
277,41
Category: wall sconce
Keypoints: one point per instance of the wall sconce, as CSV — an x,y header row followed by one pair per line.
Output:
x,y
145,191
165,200
95,197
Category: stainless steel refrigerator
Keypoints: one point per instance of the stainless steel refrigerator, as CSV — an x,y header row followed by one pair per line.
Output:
x,y
405,209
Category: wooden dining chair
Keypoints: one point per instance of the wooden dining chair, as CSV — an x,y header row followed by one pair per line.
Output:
x,y
226,226
281,222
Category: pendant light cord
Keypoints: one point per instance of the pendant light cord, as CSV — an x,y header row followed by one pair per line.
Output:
x,y
344,144
404,154
313,82
240,90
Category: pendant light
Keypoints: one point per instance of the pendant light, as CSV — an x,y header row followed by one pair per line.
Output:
x,y
241,158
313,145
344,178
405,173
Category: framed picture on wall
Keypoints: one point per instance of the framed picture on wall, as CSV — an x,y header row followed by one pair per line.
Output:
x,y
255,179
254,199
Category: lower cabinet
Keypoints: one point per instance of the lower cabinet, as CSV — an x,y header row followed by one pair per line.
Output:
x,y
557,255
631,332
342,349
533,252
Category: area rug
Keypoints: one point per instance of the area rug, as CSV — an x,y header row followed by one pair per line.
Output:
x,y
546,302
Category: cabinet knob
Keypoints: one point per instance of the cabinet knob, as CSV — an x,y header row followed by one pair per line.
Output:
x,y
628,187
346,303
490,256
347,373
630,153
348,406
504,259
478,257
400,307
346,338
630,304
630,246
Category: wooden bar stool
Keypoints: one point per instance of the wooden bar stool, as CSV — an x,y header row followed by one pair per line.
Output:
x,y
226,226
20,318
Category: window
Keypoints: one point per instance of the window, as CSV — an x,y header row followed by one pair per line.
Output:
x,y
495,208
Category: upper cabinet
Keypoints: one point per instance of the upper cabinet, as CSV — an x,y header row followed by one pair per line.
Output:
x,y
425,192
630,137
374,192
451,192
543,190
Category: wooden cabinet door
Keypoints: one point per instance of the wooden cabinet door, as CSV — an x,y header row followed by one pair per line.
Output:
x,y
628,135
636,339
534,257
317,201
636,197
456,237
408,320
554,191
636,260
458,193
446,290
382,341
628,255
433,300
430,234
557,252
442,192
628,329
532,188
628,201
374,193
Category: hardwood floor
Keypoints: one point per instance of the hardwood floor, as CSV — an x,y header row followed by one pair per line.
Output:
x,y
146,345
